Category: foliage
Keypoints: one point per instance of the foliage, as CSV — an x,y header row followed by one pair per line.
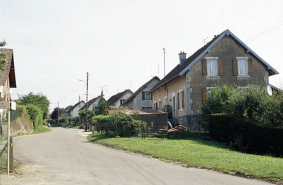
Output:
x,y
114,108
120,124
194,151
3,61
90,114
252,103
3,43
102,107
38,100
22,111
246,135
35,115
57,111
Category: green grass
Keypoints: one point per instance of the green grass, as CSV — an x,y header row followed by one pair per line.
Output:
x,y
56,125
38,130
72,126
193,151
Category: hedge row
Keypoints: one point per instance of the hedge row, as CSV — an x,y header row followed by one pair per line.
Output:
x,y
246,135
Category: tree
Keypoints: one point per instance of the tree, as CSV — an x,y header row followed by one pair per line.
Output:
x,y
38,100
54,114
102,106
90,114
3,57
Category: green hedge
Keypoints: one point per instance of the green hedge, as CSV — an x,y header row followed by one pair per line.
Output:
x,y
246,135
35,115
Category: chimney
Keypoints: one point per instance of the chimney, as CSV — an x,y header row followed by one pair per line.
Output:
x,y
182,57
215,36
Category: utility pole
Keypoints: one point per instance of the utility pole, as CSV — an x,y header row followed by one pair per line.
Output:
x,y
8,144
164,61
86,100
58,114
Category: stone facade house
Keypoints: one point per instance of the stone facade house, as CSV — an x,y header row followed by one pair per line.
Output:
x,y
140,99
224,60
118,99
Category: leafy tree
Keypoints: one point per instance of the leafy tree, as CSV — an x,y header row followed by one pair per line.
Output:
x,y
3,57
54,114
90,114
38,100
102,106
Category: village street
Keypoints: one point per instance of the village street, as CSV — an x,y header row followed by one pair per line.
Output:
x,y
65,156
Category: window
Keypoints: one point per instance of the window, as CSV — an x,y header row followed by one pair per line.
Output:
x,y
146,96
243,69
122,101
212,66
155,106
181,99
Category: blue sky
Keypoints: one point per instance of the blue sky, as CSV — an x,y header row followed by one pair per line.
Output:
x,y
120,43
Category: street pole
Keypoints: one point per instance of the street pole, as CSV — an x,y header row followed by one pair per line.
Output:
x,y
8,145
58,114
86,101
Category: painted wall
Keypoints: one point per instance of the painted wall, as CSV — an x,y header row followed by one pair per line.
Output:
x,y
173,87
227,50
137,102
125,96
94,104
75,111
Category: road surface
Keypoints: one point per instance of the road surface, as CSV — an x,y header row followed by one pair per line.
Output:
x,y
65,156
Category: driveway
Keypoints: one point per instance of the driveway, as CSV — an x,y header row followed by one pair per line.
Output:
x,y
65,156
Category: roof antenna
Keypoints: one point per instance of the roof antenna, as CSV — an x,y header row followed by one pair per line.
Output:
x,y
204,40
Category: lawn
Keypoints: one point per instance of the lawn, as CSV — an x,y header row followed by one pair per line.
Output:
x,y
72,126
194,151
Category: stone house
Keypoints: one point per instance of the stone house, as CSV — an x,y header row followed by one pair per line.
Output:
x,y
118,99
140,99
224,60
7,78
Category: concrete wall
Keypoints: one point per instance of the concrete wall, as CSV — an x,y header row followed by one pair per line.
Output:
x,y
227,50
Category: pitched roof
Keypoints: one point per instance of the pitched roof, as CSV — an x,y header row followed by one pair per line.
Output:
x,y
180,70
140,89
113,99
90,102
9,70
67,108
74,106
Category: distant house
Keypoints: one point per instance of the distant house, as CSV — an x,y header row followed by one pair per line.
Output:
x,y
91,103
7,78
74,111
140,99
66,114
223,60
118,99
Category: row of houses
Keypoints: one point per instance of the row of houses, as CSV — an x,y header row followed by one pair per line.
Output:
x,y
224,60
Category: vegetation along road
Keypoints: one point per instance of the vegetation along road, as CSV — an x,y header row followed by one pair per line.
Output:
x,y
65,156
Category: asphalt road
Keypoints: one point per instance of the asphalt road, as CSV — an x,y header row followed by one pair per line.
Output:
x,y
65,156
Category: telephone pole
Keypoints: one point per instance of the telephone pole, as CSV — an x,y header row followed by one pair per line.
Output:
x,y
86,101
164,61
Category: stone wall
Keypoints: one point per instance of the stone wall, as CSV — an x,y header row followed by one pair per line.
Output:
x,y
18,126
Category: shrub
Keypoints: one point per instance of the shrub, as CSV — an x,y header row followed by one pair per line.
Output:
x,y
35,115
22,111
246,135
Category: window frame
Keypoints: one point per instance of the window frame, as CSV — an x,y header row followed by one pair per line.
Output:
x,y
209,66
240,66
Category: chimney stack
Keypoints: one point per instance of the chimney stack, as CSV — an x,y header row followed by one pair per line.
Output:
x,y
182,57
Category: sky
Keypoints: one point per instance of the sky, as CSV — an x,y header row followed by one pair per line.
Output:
x,y
120,42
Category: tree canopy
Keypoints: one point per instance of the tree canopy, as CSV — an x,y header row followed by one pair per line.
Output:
x,y
54,114
102,106
38,100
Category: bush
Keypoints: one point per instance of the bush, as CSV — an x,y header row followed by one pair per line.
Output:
x,y
22,111
246,135
35,114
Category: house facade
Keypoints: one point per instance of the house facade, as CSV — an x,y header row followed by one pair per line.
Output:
x,y
91,104
224,60
7,78
74,111
118,99
141,99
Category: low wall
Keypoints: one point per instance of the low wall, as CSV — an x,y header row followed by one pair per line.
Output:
x,y
18,126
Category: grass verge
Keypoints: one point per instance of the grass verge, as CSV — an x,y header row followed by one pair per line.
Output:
x,y
38,130
72,126
194,151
